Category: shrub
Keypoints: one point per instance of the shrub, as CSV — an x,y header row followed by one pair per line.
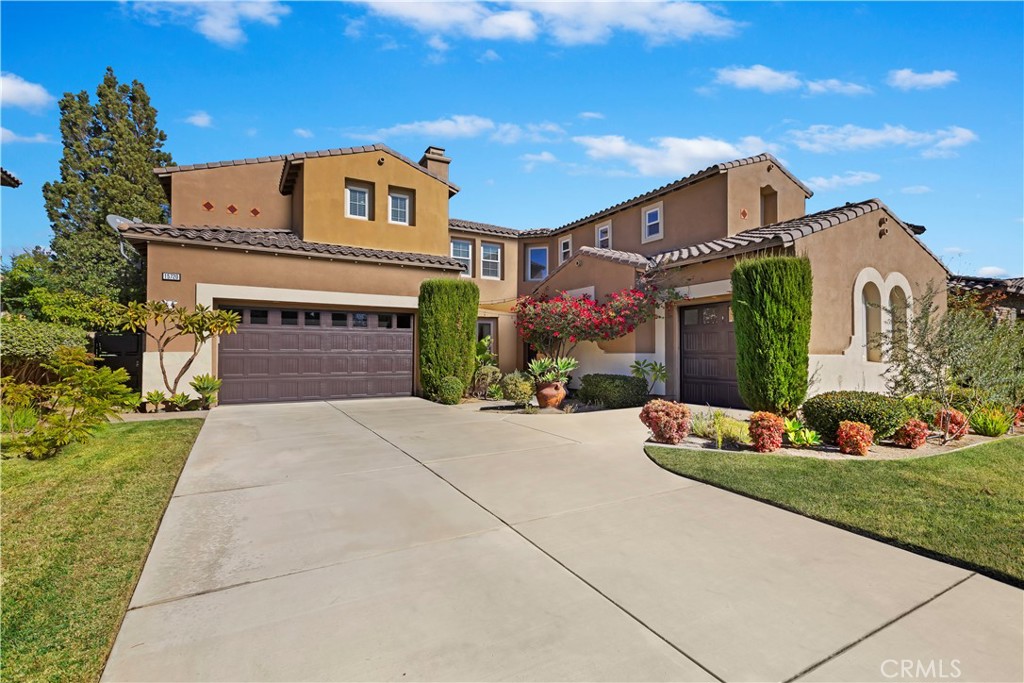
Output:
x,y
447,332
991,421
132,403
766,431
180,401
951,422
825,412
155,398
207,387
668,421
518,388
922,408
17,419
485,378
1018,417
912,434
613,391
26,344
720,428
549,370
854,438
772,311
450,391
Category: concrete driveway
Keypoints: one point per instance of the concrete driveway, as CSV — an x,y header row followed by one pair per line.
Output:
x,y
395,539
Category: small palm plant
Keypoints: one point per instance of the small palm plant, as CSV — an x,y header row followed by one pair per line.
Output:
x,y
207,387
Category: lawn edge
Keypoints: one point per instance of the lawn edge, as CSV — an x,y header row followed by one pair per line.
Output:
x,y
1015,581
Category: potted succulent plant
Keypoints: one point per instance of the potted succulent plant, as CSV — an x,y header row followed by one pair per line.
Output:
x,y
550,376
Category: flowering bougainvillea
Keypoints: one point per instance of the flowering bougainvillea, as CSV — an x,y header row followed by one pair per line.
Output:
x,y
854,438
766,431
668,421
912,434
951,422
553,326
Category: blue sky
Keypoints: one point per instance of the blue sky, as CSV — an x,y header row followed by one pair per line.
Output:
x,y
551,111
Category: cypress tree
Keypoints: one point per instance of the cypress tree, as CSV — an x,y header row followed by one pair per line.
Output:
x,y
447,331
772,322
110,150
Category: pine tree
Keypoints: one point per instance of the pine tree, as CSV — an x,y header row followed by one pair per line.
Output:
x,y
110,150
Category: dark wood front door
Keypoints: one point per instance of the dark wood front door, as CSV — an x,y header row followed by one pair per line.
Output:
x,y
309,354
708,356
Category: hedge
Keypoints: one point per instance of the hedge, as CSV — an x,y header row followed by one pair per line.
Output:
x,y
447,332
883,414
771,300
24,344
613,391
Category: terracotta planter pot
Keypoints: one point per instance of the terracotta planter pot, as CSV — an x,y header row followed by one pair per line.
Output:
x,y
550,395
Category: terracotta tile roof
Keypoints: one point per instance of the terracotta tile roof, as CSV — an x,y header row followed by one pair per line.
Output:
x,y
277,241
976,283
163,172
8,179
488,229
626,258
781,234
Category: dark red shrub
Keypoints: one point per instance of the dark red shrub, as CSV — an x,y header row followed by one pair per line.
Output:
x,y
766,431
854,438
668,421
951,422
912,434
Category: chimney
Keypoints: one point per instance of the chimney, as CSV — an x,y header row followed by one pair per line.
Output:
x,y
436,162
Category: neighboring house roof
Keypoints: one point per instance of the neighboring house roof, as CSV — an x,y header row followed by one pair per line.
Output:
x,y
781,234
976,283
164,173
276,241
8,179
489,229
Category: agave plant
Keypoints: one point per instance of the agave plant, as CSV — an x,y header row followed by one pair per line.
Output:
x,y
548,370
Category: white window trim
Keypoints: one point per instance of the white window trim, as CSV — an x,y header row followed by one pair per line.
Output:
x,y
348,201
501,253
408,207
644,239
597,235
547,258
562,256
451,251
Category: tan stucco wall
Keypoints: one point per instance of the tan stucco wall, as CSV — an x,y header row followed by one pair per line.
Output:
x,y
491,290
323,212
839,254
250,186
745,183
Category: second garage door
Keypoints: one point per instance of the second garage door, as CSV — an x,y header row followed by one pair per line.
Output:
x,y
302,355
708,356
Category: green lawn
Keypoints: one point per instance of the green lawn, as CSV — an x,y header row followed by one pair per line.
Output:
x,y
966,507
76,530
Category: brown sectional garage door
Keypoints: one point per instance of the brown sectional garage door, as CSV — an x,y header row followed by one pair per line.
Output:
x,y
708,356
303,354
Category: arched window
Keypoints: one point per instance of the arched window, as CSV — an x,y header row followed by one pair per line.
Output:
x,y
769,205
872,302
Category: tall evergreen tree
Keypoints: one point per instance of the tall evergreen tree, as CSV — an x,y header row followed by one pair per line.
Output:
x,y
110,150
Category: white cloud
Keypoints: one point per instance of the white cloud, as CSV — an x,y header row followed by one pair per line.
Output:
x,y
532,160
916,189
15,91
848,179
569,23
992,271
220,22
8,136
354,28
669,155
438,43
200,119
303,132
458,126
511,133
835,86
489,56
937,143
758,77
908,79
956,251
590,115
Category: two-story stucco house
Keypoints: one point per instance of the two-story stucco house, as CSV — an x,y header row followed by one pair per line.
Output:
x,y
322,254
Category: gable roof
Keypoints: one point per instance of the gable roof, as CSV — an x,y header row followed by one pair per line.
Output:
x,y
164,173
781,234
621,258
275,241
976,283
489,229
8,179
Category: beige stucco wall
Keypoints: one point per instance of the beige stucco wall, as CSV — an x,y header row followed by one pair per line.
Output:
x,y
247,187
745,183
506,288
323,212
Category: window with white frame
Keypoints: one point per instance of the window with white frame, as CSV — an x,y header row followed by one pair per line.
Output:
x,y
564,249
652,223
357,201
490,261
603,236
398,207
462,251
536,263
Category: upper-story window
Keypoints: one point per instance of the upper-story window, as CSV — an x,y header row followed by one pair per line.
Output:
x,y
536,263
653,227
603,236
490,261
564,249
358,200
462,251
398,207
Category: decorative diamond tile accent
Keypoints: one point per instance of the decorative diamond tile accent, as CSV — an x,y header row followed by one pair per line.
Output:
x,y
232,209
254,212
208,206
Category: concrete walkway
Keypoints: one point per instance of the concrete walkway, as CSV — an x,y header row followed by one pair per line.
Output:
x,y
396,539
